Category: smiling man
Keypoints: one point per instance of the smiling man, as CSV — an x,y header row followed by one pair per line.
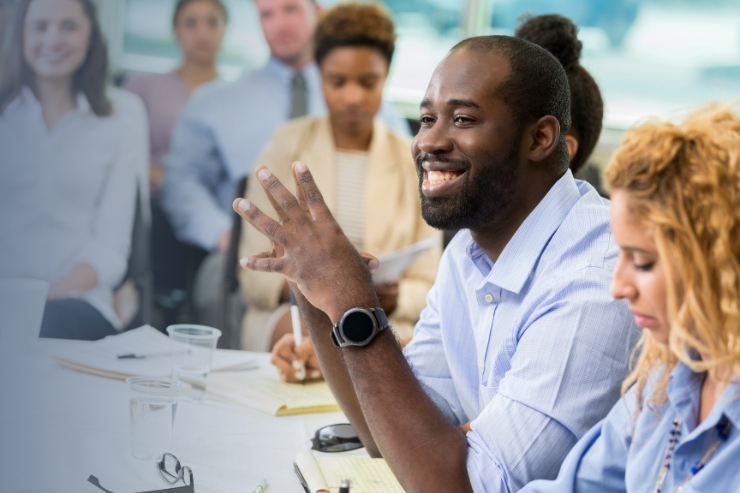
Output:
x,y
521,348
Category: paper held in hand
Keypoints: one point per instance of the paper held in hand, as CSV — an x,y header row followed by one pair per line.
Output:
x,y
267,393
394,265
323,474
101,357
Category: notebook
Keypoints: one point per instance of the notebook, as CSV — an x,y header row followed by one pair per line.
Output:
x,y
267,393
323,474
101,357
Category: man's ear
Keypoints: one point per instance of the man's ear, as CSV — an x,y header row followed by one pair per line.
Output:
x,y
544,137
572,146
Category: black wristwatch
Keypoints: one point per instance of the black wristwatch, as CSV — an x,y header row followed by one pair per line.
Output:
x,y
358,327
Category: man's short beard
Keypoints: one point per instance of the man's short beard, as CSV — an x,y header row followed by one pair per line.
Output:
x,y
479,201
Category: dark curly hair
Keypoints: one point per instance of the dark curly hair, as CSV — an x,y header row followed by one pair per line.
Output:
x,y
559,36
355,24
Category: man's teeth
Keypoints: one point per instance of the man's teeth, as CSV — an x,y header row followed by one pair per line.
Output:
x,y
440,176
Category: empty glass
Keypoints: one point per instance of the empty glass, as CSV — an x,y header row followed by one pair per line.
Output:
x,y
153,407
192,353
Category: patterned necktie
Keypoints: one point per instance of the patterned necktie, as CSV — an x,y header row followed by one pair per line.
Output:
x,y
298,103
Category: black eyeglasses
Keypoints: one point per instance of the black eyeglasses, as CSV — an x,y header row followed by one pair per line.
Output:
x,y
171,471
336,438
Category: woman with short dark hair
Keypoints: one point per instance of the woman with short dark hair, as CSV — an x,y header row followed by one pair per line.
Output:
x,y
365,170
72,148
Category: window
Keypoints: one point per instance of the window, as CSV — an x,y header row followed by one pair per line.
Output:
x,y
650,57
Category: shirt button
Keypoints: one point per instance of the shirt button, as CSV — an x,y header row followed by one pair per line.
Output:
x,y
480,363
488,298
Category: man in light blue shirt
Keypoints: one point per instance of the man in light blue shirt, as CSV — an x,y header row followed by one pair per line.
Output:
x,y
520,337
225,125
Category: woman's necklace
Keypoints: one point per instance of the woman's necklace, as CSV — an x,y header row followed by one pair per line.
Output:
x,y
723,431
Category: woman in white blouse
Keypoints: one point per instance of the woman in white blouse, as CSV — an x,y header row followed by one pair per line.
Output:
x,y
72,150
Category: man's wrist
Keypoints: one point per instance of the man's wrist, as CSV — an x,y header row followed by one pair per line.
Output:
x,y
361,300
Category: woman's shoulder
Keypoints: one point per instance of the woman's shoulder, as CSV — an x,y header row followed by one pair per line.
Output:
x,y
142,83
298,127
126,103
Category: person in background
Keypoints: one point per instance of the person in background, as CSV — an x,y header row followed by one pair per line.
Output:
x,y
559,36
364,167
72,149
199,27
226,125
676,217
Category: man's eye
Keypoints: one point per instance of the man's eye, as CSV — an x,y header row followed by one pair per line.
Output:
x,y
462,119
426,120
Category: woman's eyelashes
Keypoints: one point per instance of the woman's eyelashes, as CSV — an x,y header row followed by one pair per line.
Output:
x,y
645,267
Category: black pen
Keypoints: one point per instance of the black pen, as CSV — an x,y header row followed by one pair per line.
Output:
x,y
344,486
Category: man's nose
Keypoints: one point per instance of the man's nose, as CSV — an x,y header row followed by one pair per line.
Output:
x,y
434,140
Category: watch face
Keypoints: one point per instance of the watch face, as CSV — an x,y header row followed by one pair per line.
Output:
x,y
357,326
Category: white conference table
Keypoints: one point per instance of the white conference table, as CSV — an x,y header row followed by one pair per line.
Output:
x,y
58,426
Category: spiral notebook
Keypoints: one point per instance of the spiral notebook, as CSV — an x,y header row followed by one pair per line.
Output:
x,y
323,474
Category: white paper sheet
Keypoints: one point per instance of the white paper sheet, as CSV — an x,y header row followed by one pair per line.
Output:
x,y
101,357
393,265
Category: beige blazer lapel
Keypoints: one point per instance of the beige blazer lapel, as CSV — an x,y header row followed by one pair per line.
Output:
x,y
318,152
384,186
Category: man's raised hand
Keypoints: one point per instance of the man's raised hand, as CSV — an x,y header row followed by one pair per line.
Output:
x,y
309,247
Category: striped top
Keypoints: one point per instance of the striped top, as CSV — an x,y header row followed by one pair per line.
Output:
x,y
350,182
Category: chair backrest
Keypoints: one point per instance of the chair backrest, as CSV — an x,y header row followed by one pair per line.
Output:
x,y
232,307
139,264
232,255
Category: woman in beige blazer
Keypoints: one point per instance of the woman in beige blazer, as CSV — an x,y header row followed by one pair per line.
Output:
x,y
365,171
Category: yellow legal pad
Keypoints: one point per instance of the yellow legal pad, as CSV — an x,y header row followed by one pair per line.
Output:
x,y
323,474
267,393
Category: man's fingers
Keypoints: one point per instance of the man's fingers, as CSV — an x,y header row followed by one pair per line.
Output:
x,y
281,198
282,216
264,223
370,260
312,195
263,263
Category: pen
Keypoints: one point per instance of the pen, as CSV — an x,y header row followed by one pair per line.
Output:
x,y
295,317
344,486
261,487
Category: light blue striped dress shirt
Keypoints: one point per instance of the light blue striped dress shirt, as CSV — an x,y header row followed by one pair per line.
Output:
x,y
531,349
623,453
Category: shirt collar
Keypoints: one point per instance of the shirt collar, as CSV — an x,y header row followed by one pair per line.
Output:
x,y
27,97
684,393
516,262
286,73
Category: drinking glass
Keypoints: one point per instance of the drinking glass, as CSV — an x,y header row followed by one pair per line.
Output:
x,y
192,353
153,408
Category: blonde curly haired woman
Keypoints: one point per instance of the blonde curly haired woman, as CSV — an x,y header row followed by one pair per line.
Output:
x,y
676,218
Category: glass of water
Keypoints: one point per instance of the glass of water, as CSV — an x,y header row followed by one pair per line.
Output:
x,y
192,353
153,407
